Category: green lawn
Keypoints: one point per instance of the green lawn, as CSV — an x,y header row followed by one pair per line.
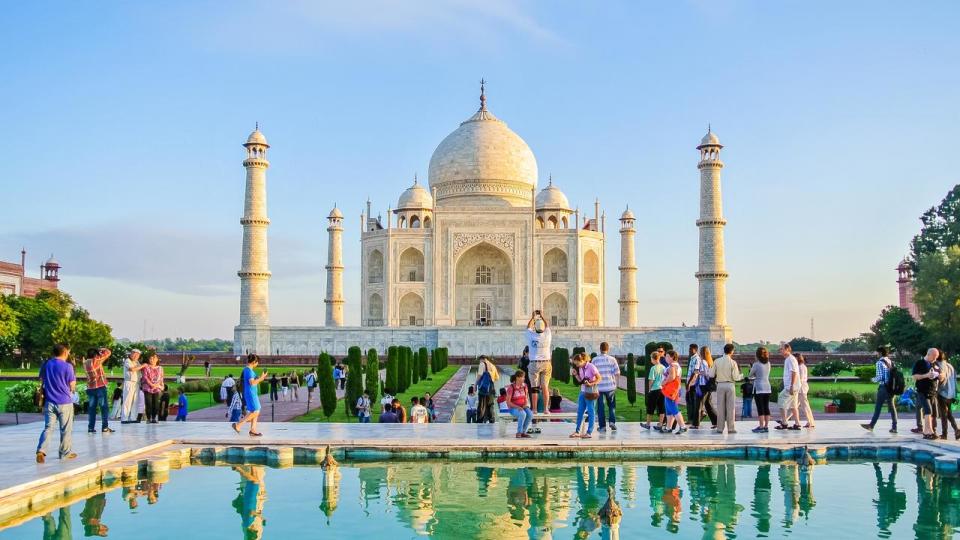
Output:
x,y
431,385
625,411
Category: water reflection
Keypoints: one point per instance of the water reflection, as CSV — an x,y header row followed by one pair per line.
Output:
x,y
543,500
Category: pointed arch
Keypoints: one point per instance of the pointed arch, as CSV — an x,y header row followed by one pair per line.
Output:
x,y
591,267
411,265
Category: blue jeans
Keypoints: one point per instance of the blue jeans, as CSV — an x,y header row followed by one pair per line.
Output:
x,y
610,398
590,407
524,416
747,408
97,398
64,416
364,419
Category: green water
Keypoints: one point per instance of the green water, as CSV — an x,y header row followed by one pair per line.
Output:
x,y
501,500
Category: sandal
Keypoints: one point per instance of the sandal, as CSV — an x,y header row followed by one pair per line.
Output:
x,y
586,436
236,427
255,434
576,436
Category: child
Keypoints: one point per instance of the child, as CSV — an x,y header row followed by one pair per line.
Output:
x,y
182,407
502,402
471,402
236,408
555,400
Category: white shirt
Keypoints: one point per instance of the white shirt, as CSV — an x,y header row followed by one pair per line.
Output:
x,y
802,377
229,383
418,414
539,344
790,366
128,374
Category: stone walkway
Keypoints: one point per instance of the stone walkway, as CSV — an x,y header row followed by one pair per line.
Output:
x,y
445,400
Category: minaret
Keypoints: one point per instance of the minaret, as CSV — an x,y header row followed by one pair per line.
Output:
x,y
254,273
334,299
628,271
905,285
712,272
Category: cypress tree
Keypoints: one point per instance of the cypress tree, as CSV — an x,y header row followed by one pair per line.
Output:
x,y
561,363
328,389
433,361
415,368
393,362
423,363
373,375
402,369
631,379
354,387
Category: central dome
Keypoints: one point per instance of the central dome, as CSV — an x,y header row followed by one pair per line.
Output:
x,y
483,163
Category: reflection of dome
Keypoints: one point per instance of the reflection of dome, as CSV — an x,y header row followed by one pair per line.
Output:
x,y
257,138
710,139
416,196
551,198
335,213
483,162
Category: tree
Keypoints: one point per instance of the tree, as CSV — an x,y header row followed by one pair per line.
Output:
x,y
373,375
415,368
80,333
940,230
896,328
854,344
804,344
328,389
354,386
423,364
37,321
433,361
937,293
393,363
404,369
9,331
631,379
560,362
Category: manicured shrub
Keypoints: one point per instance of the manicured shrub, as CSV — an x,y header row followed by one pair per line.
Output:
x,y
830,368
846,403
354,387
560,362
20,397
631,379
865,373
415,368
372,370
422,365
393,364
403,370
328,390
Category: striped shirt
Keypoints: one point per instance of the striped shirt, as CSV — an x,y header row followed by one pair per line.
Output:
x,y
609,372
883,371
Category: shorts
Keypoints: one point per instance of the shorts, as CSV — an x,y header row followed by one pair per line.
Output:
x,y
252,402
671,407
925,403
787,400
655,402
540,372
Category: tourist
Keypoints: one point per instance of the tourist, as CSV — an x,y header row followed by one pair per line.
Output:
x,y
399,410
654,398
746,392
427,402
363,408
131,386
791,385
760,376
588,377
671,395
141,405
152,385
97,389
663,357
295,386
487,377
502,406
182,406
285,386
274,383
518,403
58,381
924,376
250,385
803,404
946,395
117,399
609,371
311,380
206,368
386,400
882,376
556,400
471,403
235,408
388,416
228,388
164,409
709,390
418,412
727,373
539,338
694,412
524,365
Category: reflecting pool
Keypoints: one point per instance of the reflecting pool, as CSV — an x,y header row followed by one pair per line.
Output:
x,y
500,500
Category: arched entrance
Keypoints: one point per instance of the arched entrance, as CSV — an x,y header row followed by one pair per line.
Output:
x,y
411,310
484,287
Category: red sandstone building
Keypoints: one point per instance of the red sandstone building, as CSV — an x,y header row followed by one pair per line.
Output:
x,y
14,279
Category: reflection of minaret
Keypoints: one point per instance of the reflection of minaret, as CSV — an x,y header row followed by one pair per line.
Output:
x,y
254,273
712,273
628,271
334,299
331,491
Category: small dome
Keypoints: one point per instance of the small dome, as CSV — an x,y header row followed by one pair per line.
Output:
x,y
627,214
710,139
335,213
416,196
257,138
52,262
552,198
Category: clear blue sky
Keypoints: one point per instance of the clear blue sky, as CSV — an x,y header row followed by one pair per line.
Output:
x,y
124,121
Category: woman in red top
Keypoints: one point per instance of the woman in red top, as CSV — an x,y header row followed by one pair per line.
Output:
x,y
519,403
151,382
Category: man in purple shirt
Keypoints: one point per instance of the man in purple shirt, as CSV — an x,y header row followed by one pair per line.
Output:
x,y
58,381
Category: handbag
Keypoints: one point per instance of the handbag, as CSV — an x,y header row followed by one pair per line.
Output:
x,y
711,385
592,393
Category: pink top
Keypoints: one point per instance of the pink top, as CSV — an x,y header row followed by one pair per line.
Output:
x,y
586,373
152,380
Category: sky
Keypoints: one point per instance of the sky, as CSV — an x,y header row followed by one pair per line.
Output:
x,y
124,126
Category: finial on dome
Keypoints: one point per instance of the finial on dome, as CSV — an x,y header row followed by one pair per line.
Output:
x,y
709,129
483,95
550,181
415,179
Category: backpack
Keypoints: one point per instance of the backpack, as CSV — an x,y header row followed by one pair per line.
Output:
x,y
485,384
895,382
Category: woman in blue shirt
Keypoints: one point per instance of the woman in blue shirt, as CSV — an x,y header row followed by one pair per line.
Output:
x,y
250,383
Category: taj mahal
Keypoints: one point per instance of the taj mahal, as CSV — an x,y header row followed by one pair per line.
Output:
x,y
462,261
